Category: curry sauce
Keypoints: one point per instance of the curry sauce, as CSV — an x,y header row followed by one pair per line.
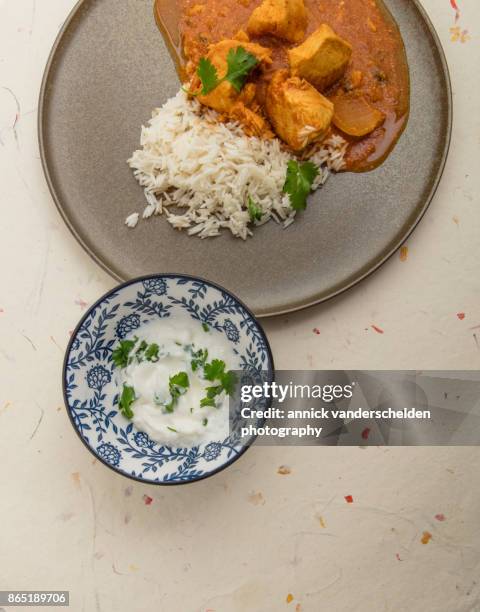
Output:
x,y
377,70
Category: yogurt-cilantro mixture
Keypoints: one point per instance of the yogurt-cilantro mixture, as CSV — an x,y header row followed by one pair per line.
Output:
x,y
174,377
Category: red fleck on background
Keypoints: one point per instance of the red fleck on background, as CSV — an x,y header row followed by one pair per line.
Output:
x,y
316,331
377,329
366,433
148,500
398,557
82,303
349,499
454,5
440,517
461,315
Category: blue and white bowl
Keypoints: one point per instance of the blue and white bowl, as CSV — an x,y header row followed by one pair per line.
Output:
x,y
90,391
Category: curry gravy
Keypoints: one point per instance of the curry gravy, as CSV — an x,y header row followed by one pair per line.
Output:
x,y
189,26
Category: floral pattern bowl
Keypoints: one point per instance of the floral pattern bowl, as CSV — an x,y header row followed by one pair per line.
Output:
x,y
91,394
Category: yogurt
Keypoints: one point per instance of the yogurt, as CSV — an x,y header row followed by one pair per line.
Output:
x,y
169,413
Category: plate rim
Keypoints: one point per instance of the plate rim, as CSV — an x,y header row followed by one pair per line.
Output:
x,y
273,312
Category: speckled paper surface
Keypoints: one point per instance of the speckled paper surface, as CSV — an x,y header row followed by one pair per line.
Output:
x,y
306,530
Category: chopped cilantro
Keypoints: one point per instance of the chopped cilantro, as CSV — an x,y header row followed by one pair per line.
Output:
x,y
205,327
208,401
172,429
121,354
205,422
151,353
199,359
239,65
142,348
254,210
126,400
214,370
214,391
208,75
299,181
177,385
180,380
229,380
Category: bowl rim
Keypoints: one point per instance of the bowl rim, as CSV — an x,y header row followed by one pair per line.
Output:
x,y
120,287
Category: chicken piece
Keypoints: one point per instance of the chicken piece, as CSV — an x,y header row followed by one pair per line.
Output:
x,y
253,124
248,94
223,97
299,114
242,36
285,19
322,58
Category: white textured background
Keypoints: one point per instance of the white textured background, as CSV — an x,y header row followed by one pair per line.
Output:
x,y
249,537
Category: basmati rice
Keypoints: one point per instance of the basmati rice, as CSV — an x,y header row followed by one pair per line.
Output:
x,y
200,172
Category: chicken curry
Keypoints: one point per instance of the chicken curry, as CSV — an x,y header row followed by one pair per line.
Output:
x,y
297,69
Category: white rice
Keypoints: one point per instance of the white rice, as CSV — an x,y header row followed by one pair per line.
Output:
x,y
200,172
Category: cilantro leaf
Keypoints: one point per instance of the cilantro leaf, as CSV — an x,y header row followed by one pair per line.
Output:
x,y
205,327
208,401
126,400
121,354
140,350
199,359
214,370
254,210
299,181
240,64
229,380
179,380
208,75
151,353
214,391
177,385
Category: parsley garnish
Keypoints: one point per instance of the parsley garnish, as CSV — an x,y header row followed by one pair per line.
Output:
x,y
126,401
205,327
254,210
239,65
299,181
121,354
177,385
205,422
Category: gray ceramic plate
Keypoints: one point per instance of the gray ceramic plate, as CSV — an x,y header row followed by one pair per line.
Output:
x,y
109,68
